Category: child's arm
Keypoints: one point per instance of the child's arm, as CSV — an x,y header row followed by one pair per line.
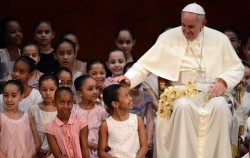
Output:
x,y
102,142
155,101
143,139
150,125
35,135
84,141
54,148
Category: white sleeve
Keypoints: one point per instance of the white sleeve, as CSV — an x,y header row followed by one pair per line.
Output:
x,y
137,74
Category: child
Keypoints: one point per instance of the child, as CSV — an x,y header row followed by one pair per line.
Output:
x,y
242,98
31,50
65,77
246,48
125,41
18,136
23,70
65,53
96,69
67,134
10,39
43,34
87,89
142,106
123,132
116,62
234,36
78,65
45,111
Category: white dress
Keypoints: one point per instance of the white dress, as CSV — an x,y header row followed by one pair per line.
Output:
x,y
26,104
41,118
123,137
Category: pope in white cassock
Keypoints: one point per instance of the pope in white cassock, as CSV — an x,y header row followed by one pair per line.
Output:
x,y
192,52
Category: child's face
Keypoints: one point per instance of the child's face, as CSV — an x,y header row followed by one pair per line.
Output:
x,y
21,72
64,103
44,34
116,63
98,72
124,99
233,39
14,33
246,79
65,79
89,90
246,50
47,90
65,55
11,97
125,42
32,52
74,40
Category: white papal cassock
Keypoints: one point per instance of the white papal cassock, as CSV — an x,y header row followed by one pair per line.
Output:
x,y
194,130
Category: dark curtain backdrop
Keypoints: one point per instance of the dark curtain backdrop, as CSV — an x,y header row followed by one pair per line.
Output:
x,y
96,21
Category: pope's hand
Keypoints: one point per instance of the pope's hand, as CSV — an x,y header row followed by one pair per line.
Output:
x,y
123,80
217,89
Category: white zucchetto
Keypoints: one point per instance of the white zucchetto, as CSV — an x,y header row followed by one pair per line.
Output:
x,y
194,8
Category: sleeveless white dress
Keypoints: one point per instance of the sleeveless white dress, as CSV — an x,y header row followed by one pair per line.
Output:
x,y
123,137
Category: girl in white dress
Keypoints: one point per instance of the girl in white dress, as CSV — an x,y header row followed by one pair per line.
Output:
x,y
122,134
45,111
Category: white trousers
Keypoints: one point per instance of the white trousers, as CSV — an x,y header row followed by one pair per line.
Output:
x,y
195,131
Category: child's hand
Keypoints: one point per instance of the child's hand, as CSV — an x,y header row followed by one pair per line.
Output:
x,y
92,146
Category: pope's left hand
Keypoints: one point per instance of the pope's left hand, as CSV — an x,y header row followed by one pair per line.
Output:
x,y
217,89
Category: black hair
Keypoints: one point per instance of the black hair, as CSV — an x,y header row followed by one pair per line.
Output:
x,y
247,38
110,94
245,63
79,81
234,30
64,40
40,21
3,30
66,33
29,44
116,49
16,83
130,31
60,89
30,62
128,66
92,62
59,70
49,76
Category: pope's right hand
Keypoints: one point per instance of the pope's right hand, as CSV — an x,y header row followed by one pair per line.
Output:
x,y
123,80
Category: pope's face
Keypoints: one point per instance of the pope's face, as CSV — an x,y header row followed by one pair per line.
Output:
x,y
191,25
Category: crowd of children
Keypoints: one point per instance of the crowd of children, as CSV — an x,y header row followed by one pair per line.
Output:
x,y
64,107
